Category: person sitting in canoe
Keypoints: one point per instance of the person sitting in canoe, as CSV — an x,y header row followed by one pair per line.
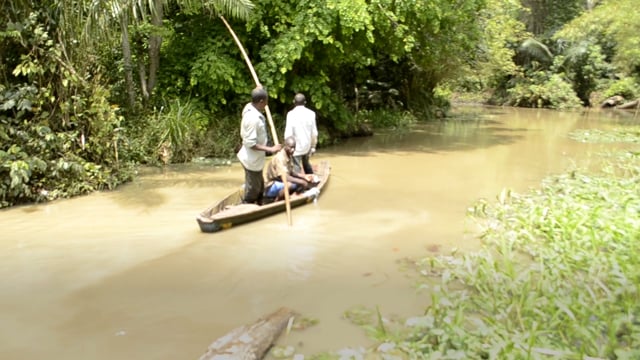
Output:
x,y
282,164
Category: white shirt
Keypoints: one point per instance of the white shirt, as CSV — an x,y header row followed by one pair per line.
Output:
x,y
301,124
253,130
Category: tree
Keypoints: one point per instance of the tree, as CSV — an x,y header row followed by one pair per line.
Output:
x,y
332,49
498,46
614,26
545,17
138,13
59,132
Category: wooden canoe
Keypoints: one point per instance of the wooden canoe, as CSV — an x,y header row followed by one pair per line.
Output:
x,y
230,211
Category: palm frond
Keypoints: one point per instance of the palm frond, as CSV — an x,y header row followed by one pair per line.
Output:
x,y
577,51
239,9
533,49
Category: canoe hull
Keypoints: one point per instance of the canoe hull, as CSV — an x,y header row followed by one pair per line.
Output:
x,y
230,211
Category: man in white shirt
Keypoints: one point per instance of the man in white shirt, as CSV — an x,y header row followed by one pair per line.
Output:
x,y
301,124
253,130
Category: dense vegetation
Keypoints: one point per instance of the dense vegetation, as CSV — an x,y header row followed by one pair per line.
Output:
x,y
90,89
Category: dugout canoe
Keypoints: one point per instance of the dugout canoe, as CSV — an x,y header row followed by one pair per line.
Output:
x,y
230,211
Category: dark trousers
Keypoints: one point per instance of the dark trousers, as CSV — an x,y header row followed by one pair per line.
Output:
x,y
253,187
302,162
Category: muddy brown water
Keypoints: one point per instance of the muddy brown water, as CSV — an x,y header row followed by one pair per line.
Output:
x,y
128,275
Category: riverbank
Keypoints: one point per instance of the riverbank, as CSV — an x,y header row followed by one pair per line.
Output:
x,y
558,274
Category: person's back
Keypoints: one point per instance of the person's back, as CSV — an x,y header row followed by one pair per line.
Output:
x,y
301,124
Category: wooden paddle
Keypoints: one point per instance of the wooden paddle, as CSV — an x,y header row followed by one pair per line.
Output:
x,y
274,134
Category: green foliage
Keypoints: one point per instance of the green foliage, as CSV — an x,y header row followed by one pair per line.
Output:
x,y
431,42
615,135
213,74
501,29
543,90
45,165
626,87
584,65
386,119
532,53
173,133
331,51
59,132
369,319
544,18
328,50
306,49
181,126
558,275
222,137
201,62
613,24
585,46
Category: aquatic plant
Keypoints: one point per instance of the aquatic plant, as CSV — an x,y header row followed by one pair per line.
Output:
x,y
559,275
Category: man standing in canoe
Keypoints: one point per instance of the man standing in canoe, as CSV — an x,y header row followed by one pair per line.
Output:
x,y
282,165
252,153
301,124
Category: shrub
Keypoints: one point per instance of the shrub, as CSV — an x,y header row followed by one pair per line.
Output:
x,y
553,92
626,87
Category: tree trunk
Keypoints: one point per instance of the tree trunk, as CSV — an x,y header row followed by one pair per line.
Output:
x,y
126,57
142,71
155,41
632,105
250,342
535,18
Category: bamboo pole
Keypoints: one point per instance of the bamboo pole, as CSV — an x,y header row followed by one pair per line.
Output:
x,y
274,134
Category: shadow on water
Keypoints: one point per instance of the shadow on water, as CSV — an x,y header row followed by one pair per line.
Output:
x,y
468,129
149,189
461,132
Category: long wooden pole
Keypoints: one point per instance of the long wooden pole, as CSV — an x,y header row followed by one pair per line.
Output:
x,y
274,134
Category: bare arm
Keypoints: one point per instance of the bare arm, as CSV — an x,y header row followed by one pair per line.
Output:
x,y
302,181
265,148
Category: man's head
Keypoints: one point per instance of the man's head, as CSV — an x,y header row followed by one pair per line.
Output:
x,y
290,145
299,99
259,97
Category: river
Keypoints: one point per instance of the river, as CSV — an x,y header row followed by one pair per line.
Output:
x,y
127,274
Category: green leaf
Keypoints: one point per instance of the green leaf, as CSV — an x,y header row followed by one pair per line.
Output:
x,y
9,104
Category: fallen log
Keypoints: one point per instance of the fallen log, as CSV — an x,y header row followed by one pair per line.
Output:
x,y
632,105
612,102
250,342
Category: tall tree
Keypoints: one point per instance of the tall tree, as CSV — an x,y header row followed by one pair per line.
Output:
x,y
613,25
139,12
330,48
545,17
